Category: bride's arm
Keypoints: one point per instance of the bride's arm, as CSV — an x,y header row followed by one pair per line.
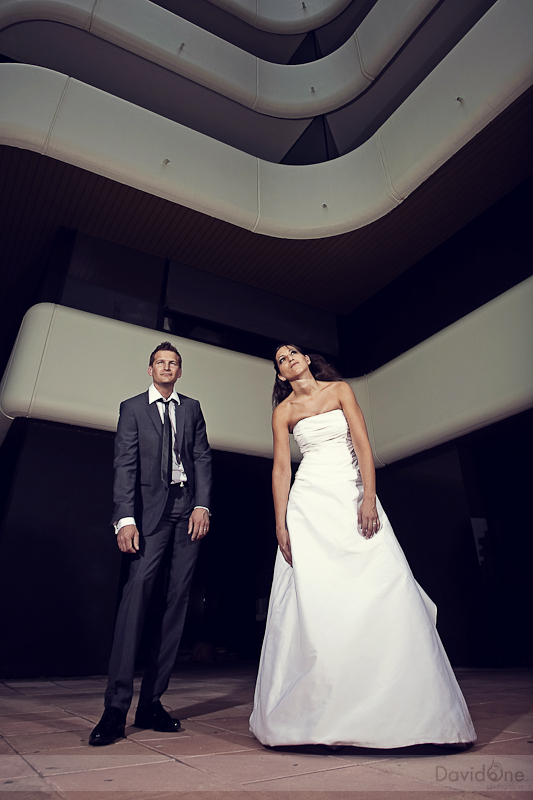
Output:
x,y
368,515
281,478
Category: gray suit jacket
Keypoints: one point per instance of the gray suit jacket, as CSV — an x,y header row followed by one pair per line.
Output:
x,y
138,489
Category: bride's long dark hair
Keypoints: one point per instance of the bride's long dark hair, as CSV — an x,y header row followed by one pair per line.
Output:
x,y
321,370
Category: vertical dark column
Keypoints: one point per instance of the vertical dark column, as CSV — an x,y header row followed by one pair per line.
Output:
x,y
425,499
163,297
59,563
498,470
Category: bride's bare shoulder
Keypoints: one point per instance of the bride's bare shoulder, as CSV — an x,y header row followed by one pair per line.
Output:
x,y
335,387
281,414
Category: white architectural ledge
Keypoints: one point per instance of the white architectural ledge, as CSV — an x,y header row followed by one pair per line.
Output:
x,y
284,16
292,92
65,119
475,372
472,373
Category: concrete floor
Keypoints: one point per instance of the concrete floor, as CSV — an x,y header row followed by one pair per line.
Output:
x,y
44,727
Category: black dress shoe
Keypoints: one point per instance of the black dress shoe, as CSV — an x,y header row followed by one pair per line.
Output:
x,y
110,728
154,716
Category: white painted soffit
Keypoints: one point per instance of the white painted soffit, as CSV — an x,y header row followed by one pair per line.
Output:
x,y
72,367
284,16
107,362
471,374
287,91
62,118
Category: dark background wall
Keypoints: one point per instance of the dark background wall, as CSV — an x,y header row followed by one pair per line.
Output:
x,y
456,509
59,568
60,572
437,501
475,265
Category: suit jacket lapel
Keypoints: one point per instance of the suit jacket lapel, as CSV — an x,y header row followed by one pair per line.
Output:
x,y
180,427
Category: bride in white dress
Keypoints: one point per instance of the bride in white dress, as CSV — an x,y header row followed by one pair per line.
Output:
x,y
351,654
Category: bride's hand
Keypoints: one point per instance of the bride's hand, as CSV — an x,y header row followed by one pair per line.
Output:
x,y
368,519
285,545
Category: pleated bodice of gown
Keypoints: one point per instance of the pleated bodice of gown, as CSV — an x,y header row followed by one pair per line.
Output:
x,y
351,654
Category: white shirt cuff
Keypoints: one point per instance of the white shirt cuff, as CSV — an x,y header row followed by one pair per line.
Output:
x,y
122,522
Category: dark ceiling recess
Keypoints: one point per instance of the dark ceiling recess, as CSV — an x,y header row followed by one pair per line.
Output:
x,y
38,195
280,48
478,263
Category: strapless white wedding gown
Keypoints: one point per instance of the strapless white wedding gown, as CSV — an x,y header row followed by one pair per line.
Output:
x,y
351,654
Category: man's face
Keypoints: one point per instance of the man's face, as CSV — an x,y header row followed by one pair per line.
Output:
x,y
166,368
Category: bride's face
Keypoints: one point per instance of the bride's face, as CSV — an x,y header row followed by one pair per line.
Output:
x,y
291,363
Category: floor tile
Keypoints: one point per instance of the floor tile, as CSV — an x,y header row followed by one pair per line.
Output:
x,y
138,735
236,711
238,724
215,756
6,749
27,685
509,707
14,766
509,722
519,746
487,736
34,689
19,716
193,727
83,684
466,771
214,743
261,764
36,723
27,788
352,779
47,764
170,776
19,704
66,742
92,709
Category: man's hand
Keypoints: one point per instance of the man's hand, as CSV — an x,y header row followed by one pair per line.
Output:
x,y
128,539
198,524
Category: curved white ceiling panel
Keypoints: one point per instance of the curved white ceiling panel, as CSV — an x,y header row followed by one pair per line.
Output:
x,y
284,16
70,12
287,91
473,373
385,29
454,102
70,121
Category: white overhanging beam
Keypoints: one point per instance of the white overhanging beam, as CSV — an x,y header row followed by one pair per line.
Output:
x,y
288,91
65,119
284,16
71,367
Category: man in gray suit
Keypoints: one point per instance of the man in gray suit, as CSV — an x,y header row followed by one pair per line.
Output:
x,y
162,495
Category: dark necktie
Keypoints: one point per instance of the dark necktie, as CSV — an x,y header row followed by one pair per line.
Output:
x,y
166,448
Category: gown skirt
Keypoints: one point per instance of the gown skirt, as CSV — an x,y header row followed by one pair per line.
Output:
x,y
351,654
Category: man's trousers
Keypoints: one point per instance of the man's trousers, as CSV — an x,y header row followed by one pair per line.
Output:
x,y
170,533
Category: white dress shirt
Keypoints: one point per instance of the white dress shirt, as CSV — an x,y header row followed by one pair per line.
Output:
x,y
178,473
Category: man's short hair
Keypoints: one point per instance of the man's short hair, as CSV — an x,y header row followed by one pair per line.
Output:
x,y
164,346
